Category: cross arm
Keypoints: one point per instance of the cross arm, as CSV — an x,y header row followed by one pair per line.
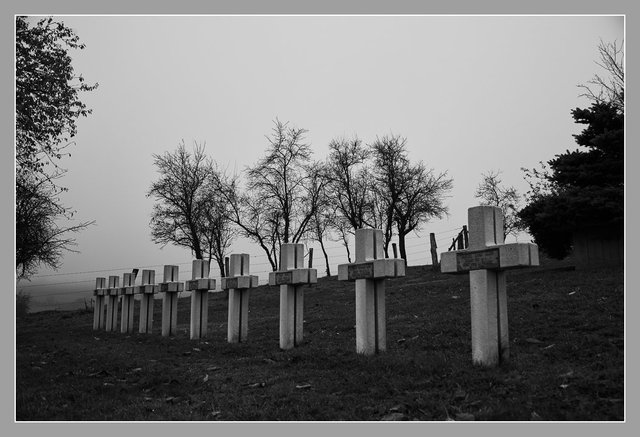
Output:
x,y
499,257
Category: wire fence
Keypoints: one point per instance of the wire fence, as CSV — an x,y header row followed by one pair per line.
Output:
x,y
416,247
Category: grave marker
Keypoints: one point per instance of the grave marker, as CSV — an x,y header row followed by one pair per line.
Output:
x,y
128,300
291,277
238,283
486,260
170,287
199,285
146,292
112,292
99,308
370,272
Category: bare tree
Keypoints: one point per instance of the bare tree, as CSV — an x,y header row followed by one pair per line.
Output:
x,y
414,194
40,240
281,193
321,222
421,199
608,89
187,212
350,187
490,191
390,160
344,231
217,231
254,222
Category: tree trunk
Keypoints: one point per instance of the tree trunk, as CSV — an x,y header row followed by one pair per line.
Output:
x,y
401,245
326,258
221,267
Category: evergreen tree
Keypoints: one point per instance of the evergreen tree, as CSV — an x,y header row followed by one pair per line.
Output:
x,y
584,189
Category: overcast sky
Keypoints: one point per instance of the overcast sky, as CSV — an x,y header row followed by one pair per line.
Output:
x,y
470,93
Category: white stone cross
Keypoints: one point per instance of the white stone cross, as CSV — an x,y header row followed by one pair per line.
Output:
x,y
112,292
486,259
170,287
291,276
370,271
146,291
98,309
199,285
128,300
239,282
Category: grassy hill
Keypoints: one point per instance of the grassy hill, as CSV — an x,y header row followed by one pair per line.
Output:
x,y
567,358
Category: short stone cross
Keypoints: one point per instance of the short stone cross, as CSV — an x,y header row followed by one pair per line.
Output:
x,y
486,259
370,271
128,300
170,287
112,293
199,285
98,309
291,276
239,282
146,291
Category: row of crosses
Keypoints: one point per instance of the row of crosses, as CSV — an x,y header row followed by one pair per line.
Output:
x,y
486,260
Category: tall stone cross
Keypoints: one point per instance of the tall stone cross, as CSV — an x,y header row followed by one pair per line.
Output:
x,y
128,300
199,285
146,291
239,282
291,277
112,297
486,260
370,272
98,309
170,287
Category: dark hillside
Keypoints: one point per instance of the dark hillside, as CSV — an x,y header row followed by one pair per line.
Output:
x,y
567,358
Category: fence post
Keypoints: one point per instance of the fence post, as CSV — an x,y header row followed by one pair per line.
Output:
x,y
434,252
465,234
311,257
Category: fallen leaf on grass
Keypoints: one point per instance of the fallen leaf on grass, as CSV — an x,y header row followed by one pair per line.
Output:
x,y
568,374
269,361
533,341
548,347
402,340
100,373
459,393
563,386
465,416
394,416
206,378
137,369
213,368
303,386
535,416
107,384
147,398
256,384
196,349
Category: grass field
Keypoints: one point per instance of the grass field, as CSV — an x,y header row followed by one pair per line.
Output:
x,y
567,358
